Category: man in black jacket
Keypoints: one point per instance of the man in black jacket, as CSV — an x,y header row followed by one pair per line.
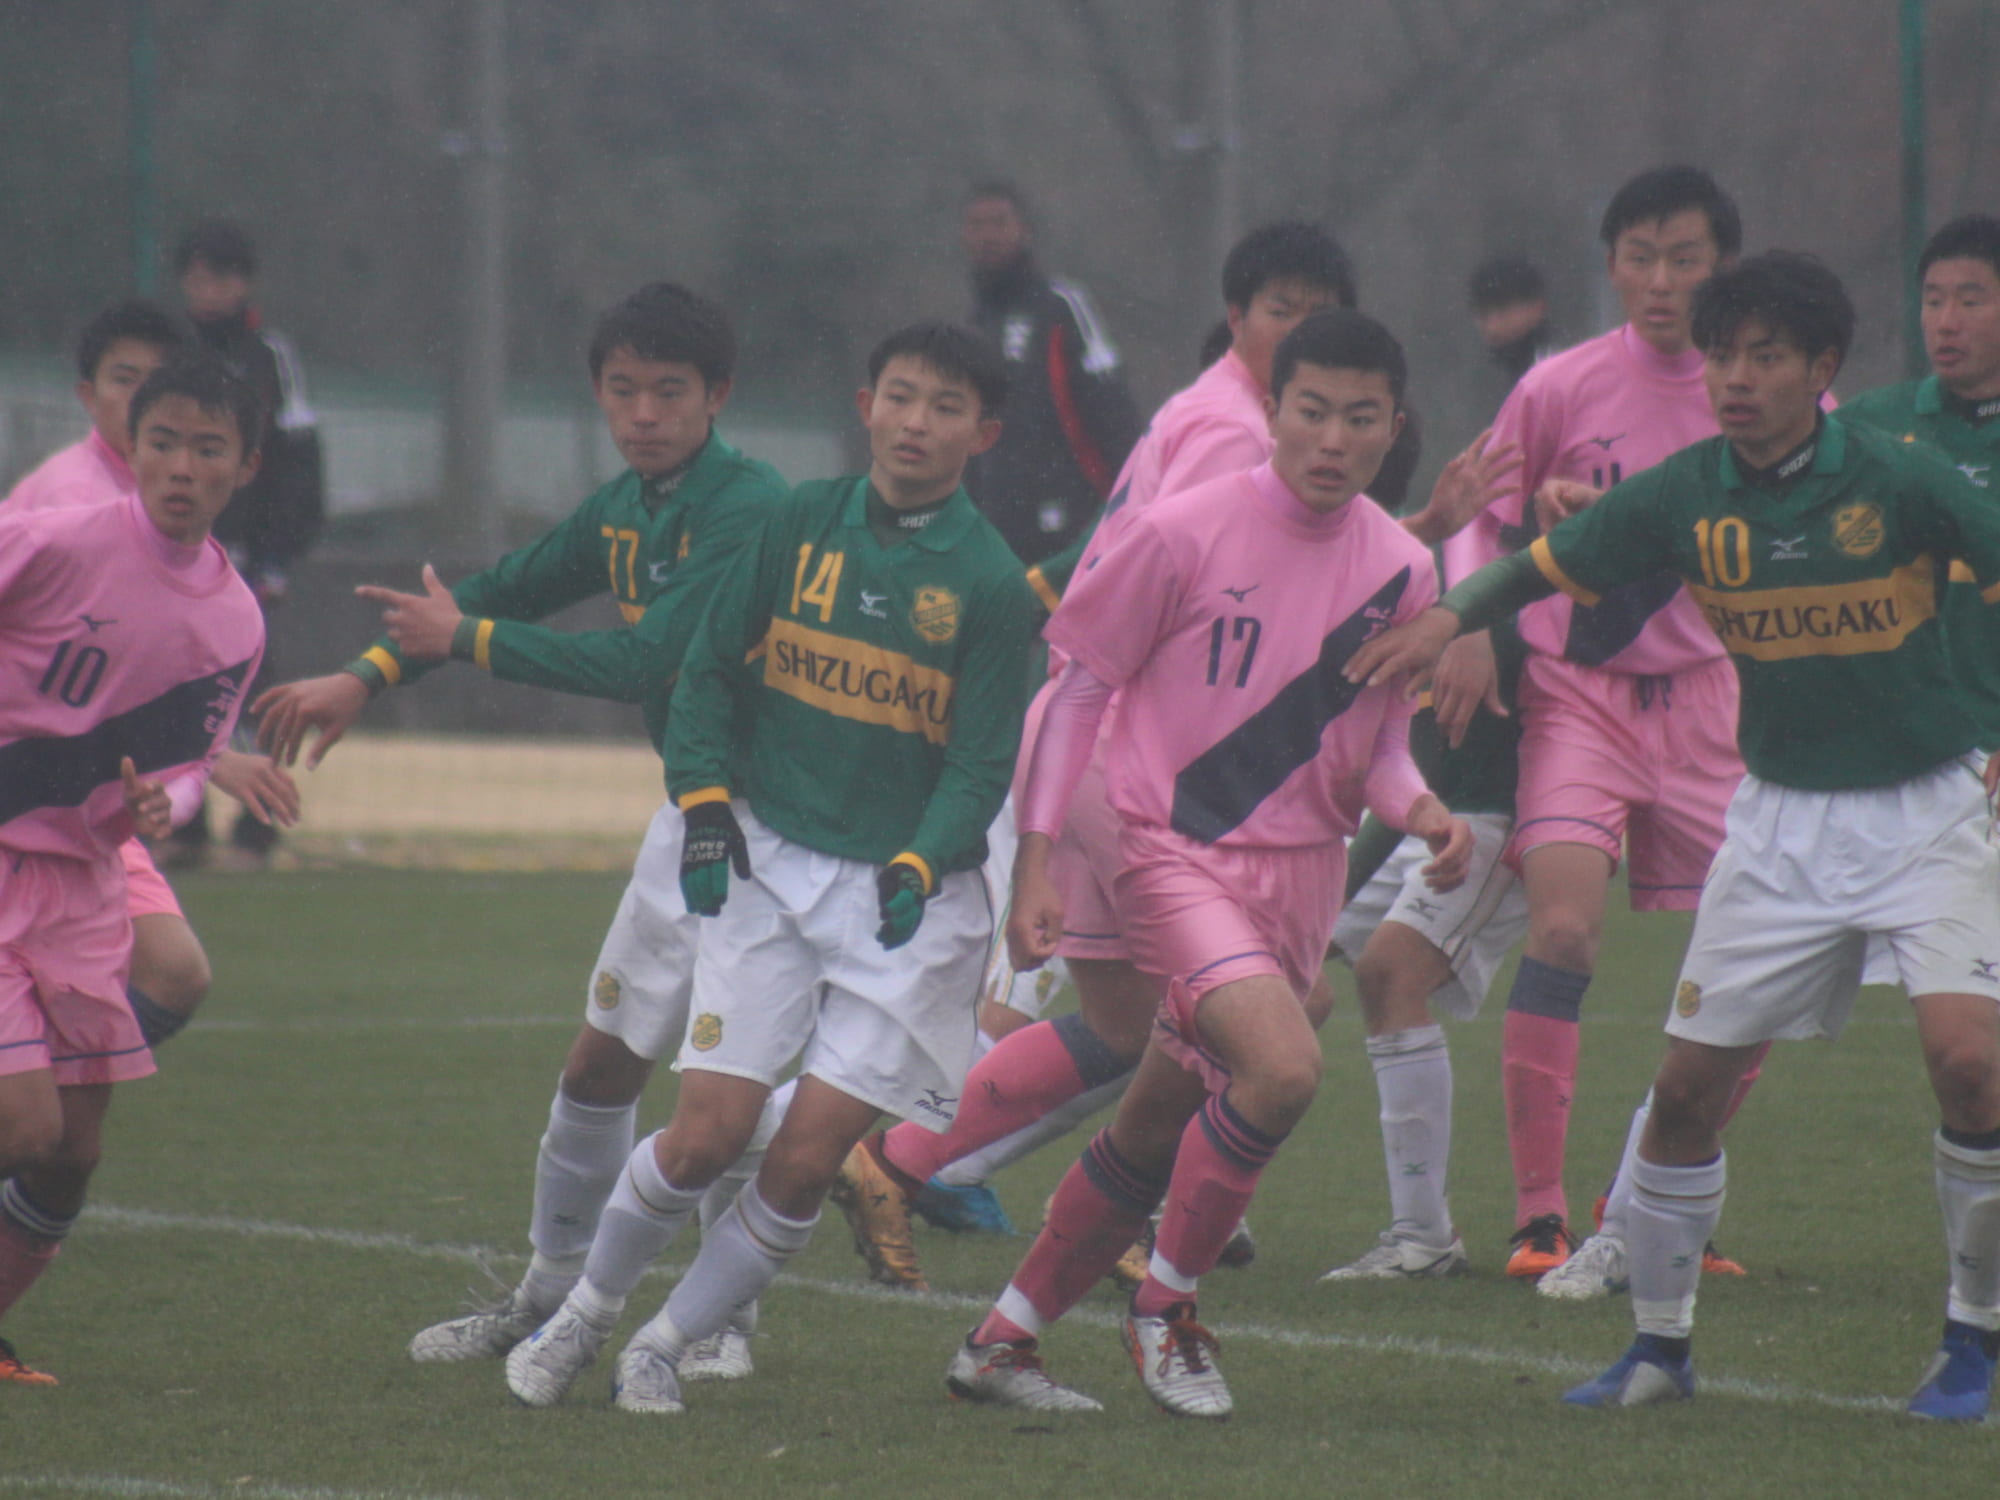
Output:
x,y
1070,420
275,518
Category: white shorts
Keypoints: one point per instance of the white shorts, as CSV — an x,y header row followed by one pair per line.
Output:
x,y
644,977
1473,926
1804,880
792,969
1027,992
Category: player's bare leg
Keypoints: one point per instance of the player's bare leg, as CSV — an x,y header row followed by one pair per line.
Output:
x,y
1567,886
1961,1041
1396,974
170,974
50,1141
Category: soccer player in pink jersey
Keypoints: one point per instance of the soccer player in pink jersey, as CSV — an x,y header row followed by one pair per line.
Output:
x,y
1241,764
1274,277
1629,708
127,640
117,350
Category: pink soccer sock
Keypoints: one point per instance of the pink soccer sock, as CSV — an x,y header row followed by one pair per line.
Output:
x,y
23,1258
1099,1209
1538,1078
1028,1073
1215,1171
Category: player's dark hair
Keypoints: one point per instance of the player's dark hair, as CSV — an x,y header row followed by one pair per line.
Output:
x,y
218,244
136,319
955,352
1292,250
1504,281
664,321
1666,191
1789,292
209,384
1340,339
1006,190
1969,237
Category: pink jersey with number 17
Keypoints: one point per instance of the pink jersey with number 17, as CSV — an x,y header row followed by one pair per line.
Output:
x,y
1224,615
115,641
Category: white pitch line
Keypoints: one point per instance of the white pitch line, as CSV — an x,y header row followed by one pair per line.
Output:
x,y
112,1216
129,1488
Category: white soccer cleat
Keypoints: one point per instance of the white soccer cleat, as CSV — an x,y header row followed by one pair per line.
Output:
x,y
486,1334
646,1382
1595,1269
1010,1375
720,1356
1403,1260
1175,1357
544,1366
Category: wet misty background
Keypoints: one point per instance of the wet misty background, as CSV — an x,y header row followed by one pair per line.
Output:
x,y
806,163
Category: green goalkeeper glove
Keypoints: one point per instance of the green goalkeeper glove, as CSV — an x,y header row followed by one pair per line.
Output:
x,y
900,889
713,843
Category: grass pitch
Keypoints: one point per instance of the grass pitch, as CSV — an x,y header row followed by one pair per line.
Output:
x,y
354,1116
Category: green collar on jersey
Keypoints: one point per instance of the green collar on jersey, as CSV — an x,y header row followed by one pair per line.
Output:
x,y
955,516
697,476
1830,459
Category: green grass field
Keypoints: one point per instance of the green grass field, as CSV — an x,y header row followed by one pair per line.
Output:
x,y
354,1116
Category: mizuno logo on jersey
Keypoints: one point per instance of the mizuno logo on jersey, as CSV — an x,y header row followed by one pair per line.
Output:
x,y
854,680
659,572
1605,443
1836,619
871,604
1788,548
95,625
1976,473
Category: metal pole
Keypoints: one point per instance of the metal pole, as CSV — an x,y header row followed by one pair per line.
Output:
x,y
1914,215
139,132
481,367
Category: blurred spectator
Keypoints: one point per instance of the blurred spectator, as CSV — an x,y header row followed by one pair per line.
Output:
x,y
273,519
1510,303
1069,420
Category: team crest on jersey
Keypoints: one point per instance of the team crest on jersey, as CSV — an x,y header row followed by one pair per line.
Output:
x,y
1687,999
935,614
608,989
1857,530
706,1033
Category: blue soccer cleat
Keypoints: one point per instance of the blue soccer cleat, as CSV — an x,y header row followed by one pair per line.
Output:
x,y
1643,1376
1959,1382
962,1210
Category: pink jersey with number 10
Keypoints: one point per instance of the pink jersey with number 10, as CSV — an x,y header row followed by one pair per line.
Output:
x,y
115,641
1224,615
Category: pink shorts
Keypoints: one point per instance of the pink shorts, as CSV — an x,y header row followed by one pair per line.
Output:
x,y
1641,766
65,946
147,893
1201,917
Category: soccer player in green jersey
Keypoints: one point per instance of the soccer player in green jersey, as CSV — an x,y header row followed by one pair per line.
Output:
x,y
656,538
848,786
1956,410
1818,552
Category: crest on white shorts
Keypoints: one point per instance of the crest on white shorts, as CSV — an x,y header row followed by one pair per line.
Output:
x,y
1687,999
608,990
706,1033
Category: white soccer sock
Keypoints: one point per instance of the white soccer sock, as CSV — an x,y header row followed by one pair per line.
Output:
x,y
1968,1186
579,1160
987,1161
1413,1079
741,1257
642,1218
1673,1215
1618,1206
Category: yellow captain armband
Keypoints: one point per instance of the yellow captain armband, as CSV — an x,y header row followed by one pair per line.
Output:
x,y
923,868
702,796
